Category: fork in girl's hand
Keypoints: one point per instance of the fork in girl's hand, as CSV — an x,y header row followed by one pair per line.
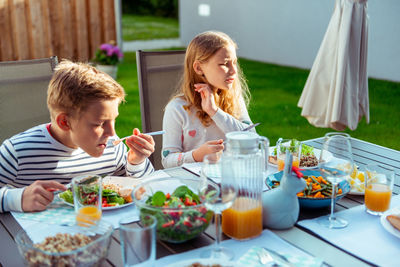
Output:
x,y
116,142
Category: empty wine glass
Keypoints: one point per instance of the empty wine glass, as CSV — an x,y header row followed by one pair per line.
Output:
x,y
216,197
335,169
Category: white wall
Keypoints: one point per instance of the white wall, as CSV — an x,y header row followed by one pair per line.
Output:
x,y
289,32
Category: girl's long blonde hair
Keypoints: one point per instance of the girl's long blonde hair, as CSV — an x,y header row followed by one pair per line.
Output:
x,y
202,48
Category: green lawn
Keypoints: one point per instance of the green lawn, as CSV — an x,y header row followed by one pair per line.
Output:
x,y
148,27
275,92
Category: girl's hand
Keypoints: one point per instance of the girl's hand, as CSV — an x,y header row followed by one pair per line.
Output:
x,y
207,98
141,146
210,147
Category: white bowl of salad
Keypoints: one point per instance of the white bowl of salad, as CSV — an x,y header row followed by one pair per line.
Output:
x,y
176,204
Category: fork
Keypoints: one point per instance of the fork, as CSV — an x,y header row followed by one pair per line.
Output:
x,y
116,142
265,257
279,260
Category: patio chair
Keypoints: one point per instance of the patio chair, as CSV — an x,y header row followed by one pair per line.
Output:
x,y
158,75
23,94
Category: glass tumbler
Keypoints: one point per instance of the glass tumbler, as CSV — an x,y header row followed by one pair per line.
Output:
x,y
292,145
138,244
87,199
379,182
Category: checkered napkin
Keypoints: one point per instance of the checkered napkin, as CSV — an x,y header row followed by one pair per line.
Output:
x,y
251,259
56,213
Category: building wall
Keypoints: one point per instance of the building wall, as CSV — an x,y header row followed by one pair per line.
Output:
x,y
289,32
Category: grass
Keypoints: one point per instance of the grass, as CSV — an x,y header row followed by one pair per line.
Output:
x,y
275,92
148,27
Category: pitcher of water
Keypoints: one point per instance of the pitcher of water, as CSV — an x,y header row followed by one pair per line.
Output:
x,y
245,160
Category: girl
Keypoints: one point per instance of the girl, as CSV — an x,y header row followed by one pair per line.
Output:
x,y
210,102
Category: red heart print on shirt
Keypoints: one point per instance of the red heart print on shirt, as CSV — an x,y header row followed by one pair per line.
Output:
x,y
192,133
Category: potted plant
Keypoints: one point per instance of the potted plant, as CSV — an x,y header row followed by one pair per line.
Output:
x,y
107,57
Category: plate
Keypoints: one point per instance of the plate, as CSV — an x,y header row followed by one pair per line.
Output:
x,y
356,181
386,224
306,202
124,182
317,153
202,261
103,208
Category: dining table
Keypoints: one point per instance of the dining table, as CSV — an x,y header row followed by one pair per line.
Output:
x,y
334,247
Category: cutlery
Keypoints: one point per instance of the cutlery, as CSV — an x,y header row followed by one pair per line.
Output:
x,y
265,258
278,258
251,126
116,142
55,191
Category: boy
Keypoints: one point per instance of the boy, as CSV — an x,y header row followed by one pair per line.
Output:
x,y
83,104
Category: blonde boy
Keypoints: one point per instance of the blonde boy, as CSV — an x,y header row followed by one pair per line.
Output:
x,y
83,104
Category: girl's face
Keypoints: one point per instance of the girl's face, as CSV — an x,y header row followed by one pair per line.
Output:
x,y
221,70
94,126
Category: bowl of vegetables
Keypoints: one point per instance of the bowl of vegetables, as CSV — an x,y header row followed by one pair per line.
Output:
x,y
317,193
176,204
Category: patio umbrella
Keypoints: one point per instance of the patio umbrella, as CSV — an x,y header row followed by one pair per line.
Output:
x,y
336,92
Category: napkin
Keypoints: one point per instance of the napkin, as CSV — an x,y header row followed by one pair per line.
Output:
x,y
250,258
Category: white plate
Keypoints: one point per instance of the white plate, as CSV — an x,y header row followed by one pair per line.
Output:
x,y
124,182
103,208
184,263
386,224
316,151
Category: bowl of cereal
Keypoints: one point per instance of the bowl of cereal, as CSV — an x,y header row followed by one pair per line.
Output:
x,y
57,245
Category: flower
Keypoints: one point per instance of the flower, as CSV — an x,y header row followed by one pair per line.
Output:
x,y
108,54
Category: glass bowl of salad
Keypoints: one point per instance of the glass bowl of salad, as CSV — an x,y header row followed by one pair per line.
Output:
x,y
176,204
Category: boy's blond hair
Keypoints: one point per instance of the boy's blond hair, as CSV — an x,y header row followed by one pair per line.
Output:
x,y
75,85
202,48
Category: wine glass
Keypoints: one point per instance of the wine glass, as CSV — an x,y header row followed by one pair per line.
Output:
x,y
216,197
335,169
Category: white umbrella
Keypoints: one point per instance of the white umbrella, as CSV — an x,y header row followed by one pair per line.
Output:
x,y
336,92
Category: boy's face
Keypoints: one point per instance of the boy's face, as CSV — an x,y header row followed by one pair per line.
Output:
x,y
92,128
221,69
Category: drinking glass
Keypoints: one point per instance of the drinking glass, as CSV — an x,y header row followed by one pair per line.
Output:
x,y
216,198
335,169
379,182
293,146
87,199
138,244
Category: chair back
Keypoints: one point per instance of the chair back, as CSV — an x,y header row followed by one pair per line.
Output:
x,y
23,94
159,73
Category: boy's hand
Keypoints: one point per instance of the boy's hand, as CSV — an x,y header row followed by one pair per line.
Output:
x,y
210,147
141,146
39,195
207,98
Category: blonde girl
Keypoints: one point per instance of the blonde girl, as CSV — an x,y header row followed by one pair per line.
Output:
x,y
210,102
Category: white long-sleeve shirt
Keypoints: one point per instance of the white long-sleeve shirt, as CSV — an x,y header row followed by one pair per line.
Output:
x,y
36,155
184,131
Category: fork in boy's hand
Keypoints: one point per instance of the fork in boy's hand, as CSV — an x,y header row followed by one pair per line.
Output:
x,y
116,142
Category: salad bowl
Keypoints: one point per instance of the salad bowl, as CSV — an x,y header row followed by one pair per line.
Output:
x,y
176,204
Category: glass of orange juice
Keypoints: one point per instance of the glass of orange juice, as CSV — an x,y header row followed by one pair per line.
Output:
x,y
87,199
379,182
294,146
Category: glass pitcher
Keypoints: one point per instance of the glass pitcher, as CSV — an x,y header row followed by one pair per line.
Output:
x,y
245,160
